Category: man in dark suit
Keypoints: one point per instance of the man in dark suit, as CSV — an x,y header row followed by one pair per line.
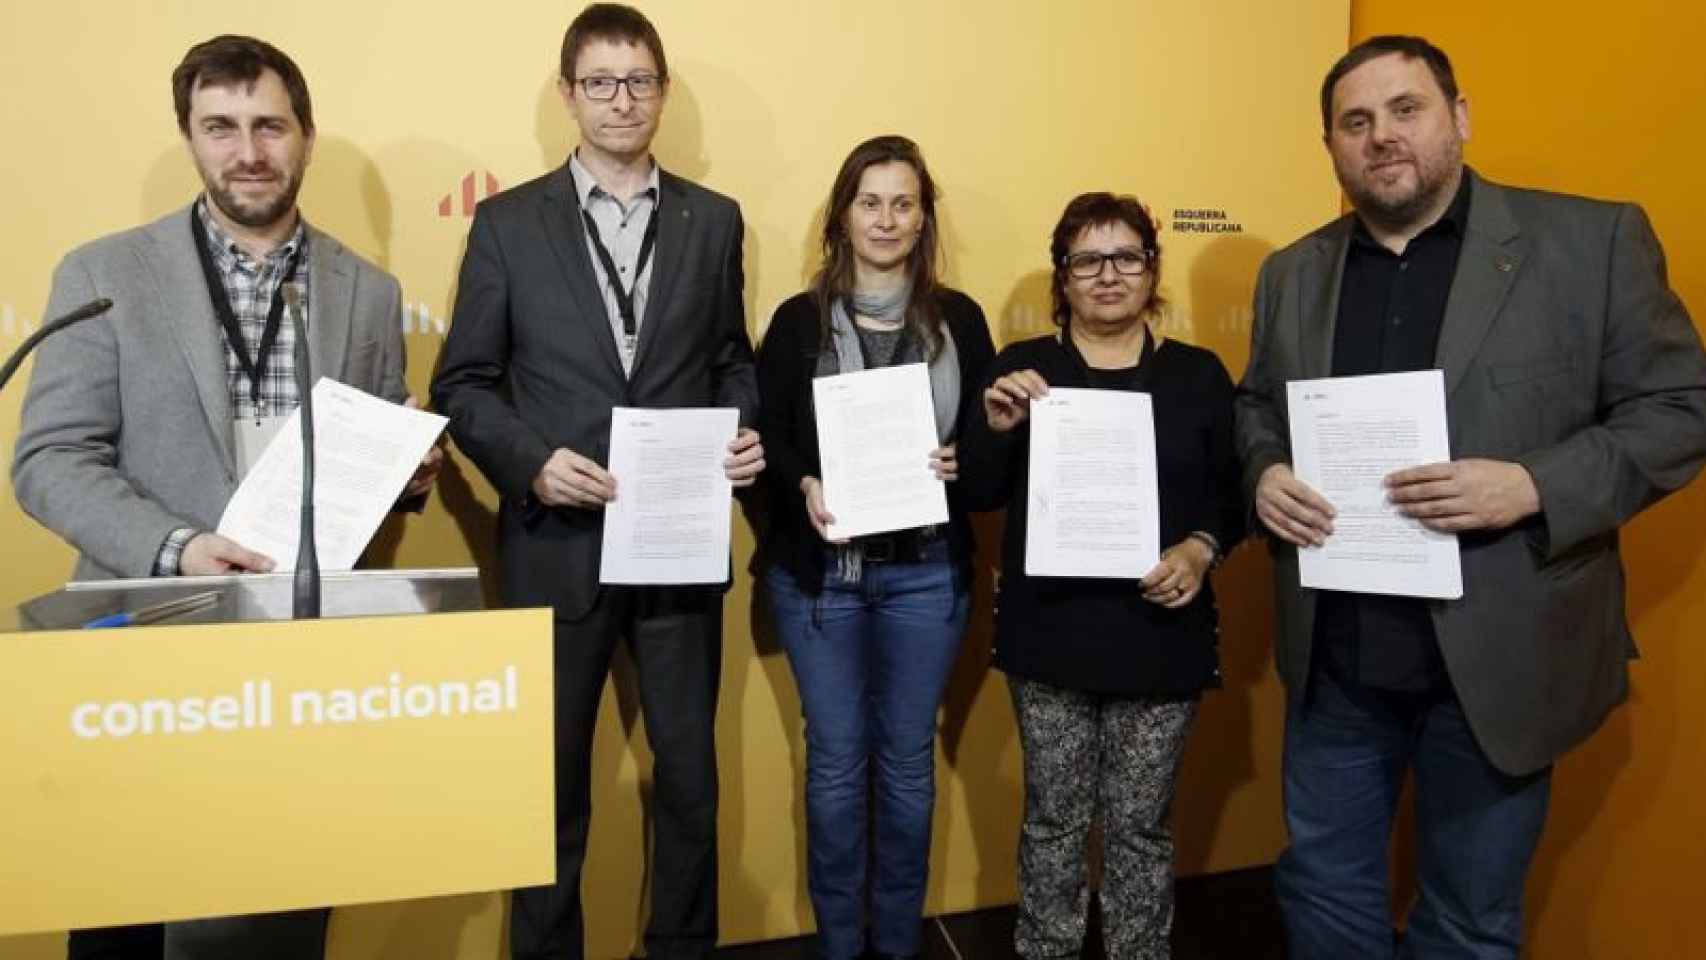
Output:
x,y
139,424
1576,396
607,282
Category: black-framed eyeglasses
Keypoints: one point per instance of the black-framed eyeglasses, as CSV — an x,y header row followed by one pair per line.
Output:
x,y
641,86
1127,261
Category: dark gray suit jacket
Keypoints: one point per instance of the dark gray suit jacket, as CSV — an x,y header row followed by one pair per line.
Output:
x,y
126,431
1565,350
531,364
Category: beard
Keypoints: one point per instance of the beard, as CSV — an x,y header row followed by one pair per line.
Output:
x,y
1399,211
255,215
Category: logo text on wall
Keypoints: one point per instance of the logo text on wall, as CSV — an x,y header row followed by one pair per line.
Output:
x,y
1204,220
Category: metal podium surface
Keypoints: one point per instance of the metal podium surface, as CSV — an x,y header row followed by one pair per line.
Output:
x,y
251,597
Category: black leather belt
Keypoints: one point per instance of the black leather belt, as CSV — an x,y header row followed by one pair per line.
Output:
x,y
901,546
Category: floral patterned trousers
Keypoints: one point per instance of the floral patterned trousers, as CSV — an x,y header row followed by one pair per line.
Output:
x,y
1088,754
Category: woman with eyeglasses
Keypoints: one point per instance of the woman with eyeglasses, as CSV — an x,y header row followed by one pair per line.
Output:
x,y
872,626
1106,673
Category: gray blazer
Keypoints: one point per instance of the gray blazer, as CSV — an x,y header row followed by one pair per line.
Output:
x,y
1565,350
126,430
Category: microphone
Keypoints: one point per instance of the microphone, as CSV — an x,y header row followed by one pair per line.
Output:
x,y
93,308
305,595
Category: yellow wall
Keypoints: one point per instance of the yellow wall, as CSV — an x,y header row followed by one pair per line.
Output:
x,y
1018,106
1607,101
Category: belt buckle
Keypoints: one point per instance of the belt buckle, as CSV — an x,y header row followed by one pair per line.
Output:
x,y
879,551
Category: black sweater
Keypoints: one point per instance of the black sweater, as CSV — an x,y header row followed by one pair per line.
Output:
x,y
1100,635
787,363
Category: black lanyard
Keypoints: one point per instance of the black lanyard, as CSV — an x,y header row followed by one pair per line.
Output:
x,y
228,318
624,296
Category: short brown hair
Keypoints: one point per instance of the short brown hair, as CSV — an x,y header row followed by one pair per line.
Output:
x,y
231,59
610,22
1412,48
1089,210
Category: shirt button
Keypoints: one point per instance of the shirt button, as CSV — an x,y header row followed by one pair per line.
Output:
x,y
1403,265
1397,321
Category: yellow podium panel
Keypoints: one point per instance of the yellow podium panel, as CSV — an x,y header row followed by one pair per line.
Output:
x,y
175,772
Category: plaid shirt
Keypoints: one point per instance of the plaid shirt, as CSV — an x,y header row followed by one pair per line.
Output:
x,y
250,286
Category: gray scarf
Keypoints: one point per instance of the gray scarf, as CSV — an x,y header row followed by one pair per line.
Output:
x,y
847,356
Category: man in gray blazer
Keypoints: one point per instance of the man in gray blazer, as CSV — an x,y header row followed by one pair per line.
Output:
x,y
607,282
1576,396
135,422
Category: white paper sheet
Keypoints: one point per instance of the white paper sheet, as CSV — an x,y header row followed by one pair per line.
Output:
x,y
365,451
669,522
1347,434
1093,508
875,431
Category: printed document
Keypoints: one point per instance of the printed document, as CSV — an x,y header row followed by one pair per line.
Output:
x,y
365,451
1093,510
1347,434
669,522
875,431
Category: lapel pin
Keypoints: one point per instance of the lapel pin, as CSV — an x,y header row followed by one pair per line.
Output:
x,y
1506,265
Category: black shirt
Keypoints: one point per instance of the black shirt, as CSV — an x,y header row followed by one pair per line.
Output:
x,y
1098,635
1391,306
879,347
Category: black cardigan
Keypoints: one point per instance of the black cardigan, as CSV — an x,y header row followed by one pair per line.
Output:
x,y
1100,635
787,363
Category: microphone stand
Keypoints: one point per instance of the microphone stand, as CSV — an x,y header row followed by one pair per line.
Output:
x,y
305,594
93,308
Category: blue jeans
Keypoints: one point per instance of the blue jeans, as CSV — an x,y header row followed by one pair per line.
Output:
x,y
1347,748
871,659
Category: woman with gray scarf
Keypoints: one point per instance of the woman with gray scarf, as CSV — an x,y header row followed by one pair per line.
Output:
x,y
872,626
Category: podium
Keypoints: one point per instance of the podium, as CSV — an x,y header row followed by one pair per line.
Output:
x,y
251,598
234,761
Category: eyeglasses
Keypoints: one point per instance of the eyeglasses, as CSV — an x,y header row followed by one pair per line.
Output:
x,y
641,86
1127,263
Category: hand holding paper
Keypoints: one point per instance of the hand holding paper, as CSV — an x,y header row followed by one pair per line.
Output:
x,y
211,555
1348,436
875,430
570,480
746,458
1007,401
1094,506
365,450
1461,495
670,521
1291,509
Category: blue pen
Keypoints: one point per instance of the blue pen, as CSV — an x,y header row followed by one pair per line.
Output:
x,y
154,613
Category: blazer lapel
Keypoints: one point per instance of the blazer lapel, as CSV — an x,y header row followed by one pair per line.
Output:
x,y
1319,300
185,303
674,224
331,301
1492,256
560,219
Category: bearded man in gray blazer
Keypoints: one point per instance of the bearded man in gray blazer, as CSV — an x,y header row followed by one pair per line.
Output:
x,y
1576,396
136,422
